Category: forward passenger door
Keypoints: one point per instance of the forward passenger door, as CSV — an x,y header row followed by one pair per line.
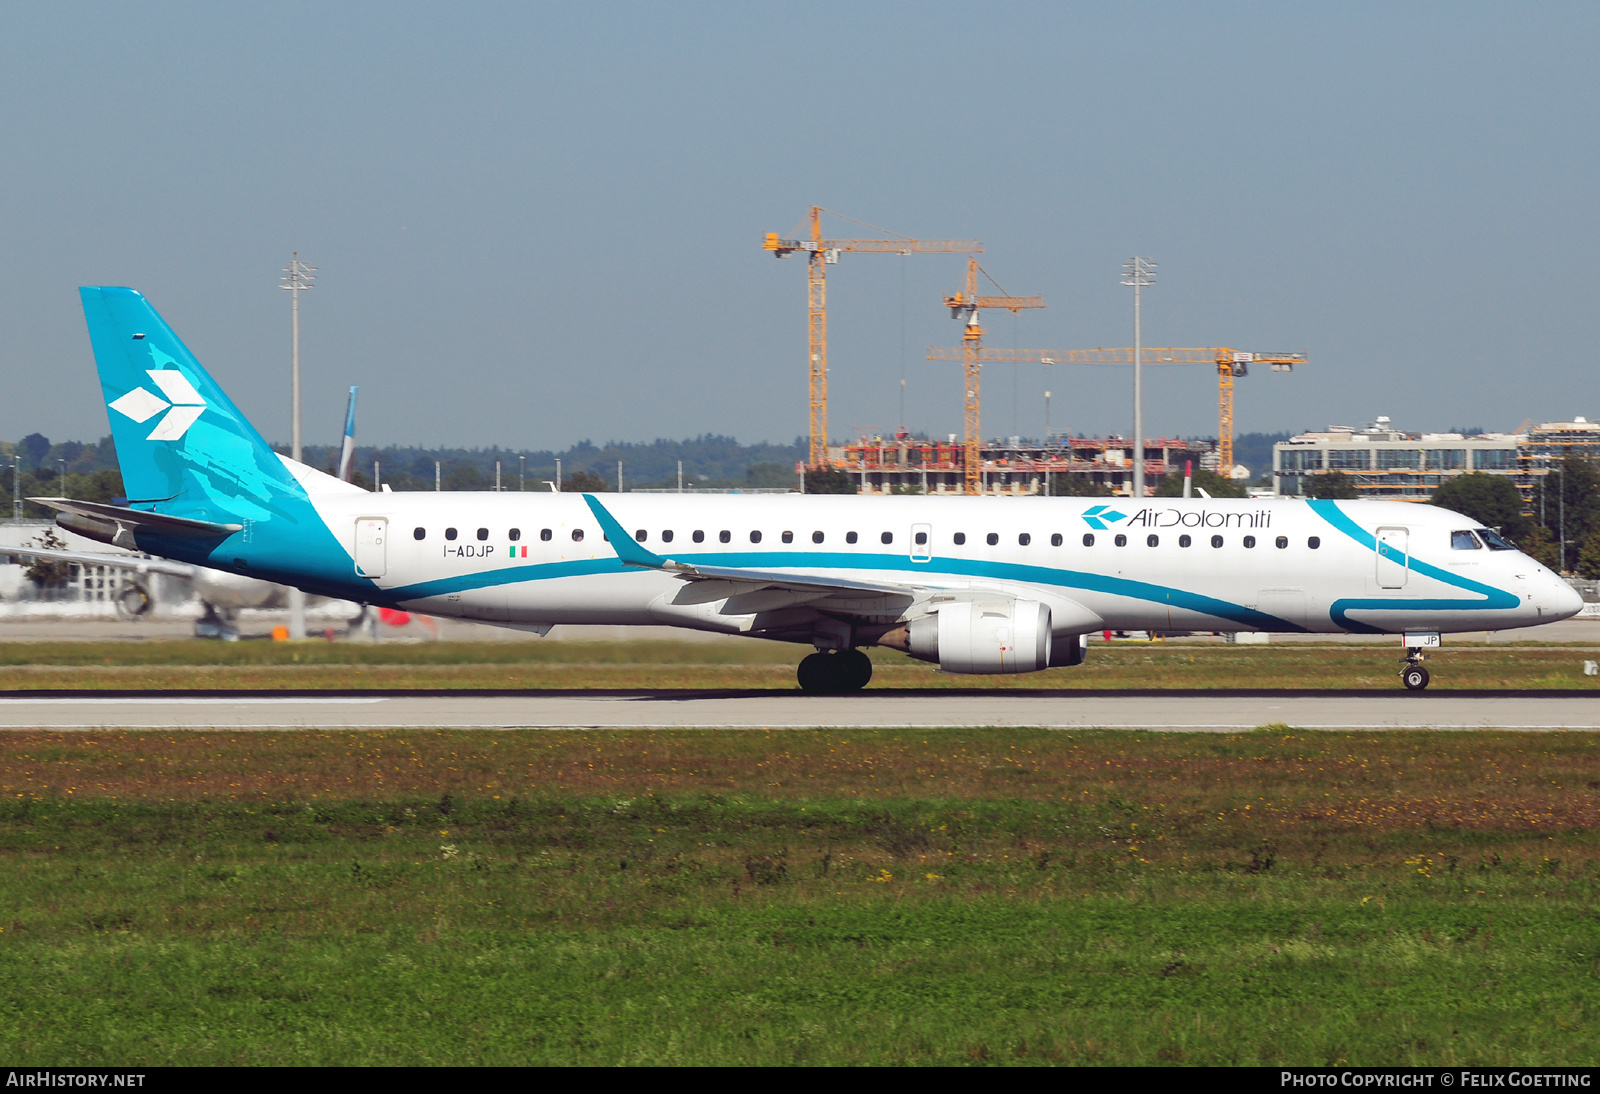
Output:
x,y
1393,559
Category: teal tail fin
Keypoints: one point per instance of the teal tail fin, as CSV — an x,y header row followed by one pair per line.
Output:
x,y
182,444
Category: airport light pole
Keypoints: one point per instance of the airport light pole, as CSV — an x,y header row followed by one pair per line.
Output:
x,y
522,473
16,489
1138,273
297,278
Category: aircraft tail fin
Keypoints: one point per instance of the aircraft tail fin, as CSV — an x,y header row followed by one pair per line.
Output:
x,y
347,450
182,444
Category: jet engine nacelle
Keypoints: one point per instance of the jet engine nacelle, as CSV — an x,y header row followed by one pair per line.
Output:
x,y
235,591
984,636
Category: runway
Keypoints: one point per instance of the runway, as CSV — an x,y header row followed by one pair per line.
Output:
x,y
1173,711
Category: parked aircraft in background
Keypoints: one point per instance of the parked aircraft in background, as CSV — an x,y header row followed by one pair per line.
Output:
x,y
223,594
976,585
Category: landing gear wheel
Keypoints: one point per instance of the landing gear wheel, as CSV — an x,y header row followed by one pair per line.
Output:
x,y
857,668
1415,678
832,673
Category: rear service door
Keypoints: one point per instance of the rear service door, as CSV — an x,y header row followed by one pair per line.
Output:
x,y
921,542
372,551
1392,558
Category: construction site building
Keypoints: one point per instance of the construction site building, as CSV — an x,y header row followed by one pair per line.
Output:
x,y
1383,462
1014,466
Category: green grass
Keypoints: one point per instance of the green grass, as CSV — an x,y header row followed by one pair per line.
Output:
x,y
659,664
808,897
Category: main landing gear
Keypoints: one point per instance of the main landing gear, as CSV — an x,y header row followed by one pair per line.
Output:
x,y
834,673
1412,674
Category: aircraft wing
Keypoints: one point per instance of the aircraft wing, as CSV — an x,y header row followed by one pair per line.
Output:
x,y
93,558
724,581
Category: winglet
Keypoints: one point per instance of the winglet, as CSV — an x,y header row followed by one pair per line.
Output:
x,y
622,542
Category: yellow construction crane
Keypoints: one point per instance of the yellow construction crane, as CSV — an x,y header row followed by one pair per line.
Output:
x,y
1231,364
966,305
821,253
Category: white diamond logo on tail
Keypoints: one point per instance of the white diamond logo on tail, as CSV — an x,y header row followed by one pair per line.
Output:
x,y
175,386
175,424
141,405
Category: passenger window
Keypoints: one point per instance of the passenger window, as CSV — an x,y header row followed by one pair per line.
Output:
x,y
817,537
515,534
1184,541
545,534
1055,540
724,536
666,536
788,537
641,535
449,533
959,539
1314,542
755,537
1249,541
577,535
1024,539
1463,541
992,538
849,537
887,537
699,536
419,533
922,539
483,534
1216,541
1281,542
1121,541
1088,539
1152,541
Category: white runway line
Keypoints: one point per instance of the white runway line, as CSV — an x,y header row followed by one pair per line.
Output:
x,y
75,700
1181,713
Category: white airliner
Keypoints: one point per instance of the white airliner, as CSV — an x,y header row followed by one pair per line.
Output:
x,y
976,585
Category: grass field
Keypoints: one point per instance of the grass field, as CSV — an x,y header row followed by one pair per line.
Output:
x,y
860,897
646,664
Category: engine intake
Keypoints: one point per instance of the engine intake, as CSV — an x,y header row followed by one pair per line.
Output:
x,y
984,636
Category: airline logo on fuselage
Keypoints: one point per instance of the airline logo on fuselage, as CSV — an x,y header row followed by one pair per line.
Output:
x,y
183,404
1096,516
1151,517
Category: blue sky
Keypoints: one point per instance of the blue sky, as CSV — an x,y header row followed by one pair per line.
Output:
x,y
536,224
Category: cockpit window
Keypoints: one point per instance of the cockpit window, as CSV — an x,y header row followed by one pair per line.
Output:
x,y
1493,540
1464,541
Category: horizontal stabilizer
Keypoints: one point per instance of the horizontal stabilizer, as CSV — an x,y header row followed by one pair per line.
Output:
x,y
117,524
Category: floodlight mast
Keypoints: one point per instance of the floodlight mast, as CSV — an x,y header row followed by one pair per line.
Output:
x,y
297,278
1138,273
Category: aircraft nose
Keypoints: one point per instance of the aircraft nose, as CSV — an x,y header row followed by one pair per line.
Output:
x,y
1565,602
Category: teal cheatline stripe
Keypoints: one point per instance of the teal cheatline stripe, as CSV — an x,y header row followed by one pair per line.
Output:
x,y
1493,599
840,560
488,579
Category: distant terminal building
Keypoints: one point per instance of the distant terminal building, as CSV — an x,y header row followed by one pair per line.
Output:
x,y
1013,466
1383,462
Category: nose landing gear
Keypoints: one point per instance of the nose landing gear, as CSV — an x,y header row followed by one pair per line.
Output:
x,y
1412,674
835,673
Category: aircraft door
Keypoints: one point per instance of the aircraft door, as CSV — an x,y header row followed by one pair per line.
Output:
x,y
372,551
1393,559
921,543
